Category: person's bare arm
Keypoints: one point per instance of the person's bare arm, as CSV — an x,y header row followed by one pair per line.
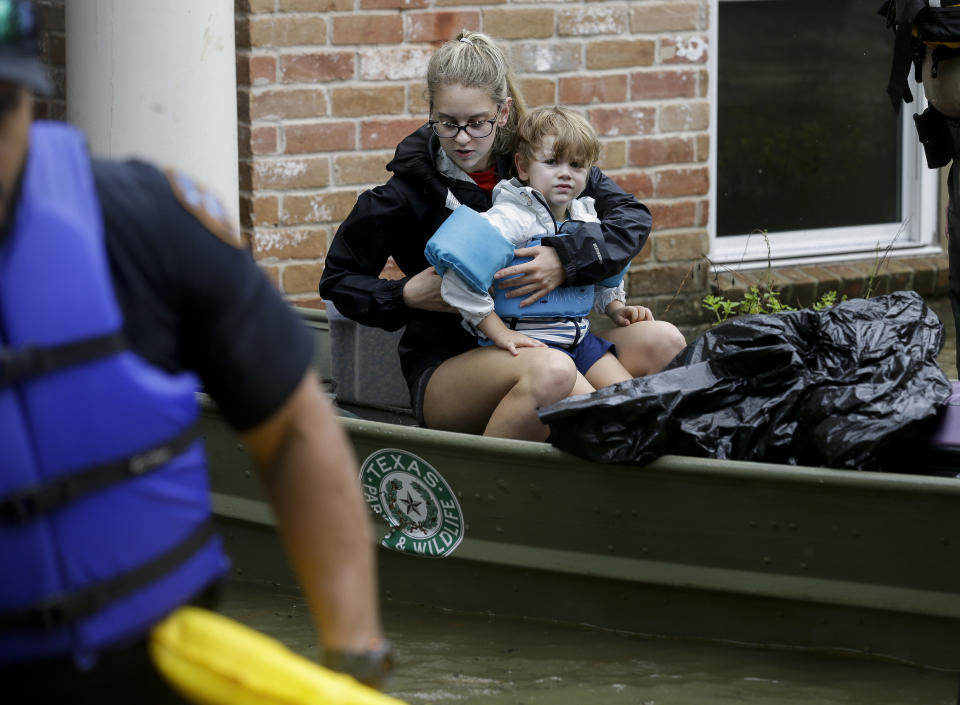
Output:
x,y
312,480
422,291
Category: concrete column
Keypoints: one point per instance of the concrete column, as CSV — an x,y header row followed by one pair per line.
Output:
x,y
157,80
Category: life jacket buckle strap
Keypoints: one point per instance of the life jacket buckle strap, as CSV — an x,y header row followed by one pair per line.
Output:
x,y
16,364
32,360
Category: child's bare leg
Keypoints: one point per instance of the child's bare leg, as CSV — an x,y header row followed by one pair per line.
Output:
x,y
606,371
647,346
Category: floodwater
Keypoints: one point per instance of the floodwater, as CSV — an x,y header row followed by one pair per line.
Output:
x,y
459,659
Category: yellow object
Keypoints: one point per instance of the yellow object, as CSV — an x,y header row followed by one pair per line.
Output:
x,y
213,660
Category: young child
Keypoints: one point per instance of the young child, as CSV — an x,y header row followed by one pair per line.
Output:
x,y
554,150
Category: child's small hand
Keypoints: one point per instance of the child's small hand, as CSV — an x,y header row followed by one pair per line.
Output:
x,y
625,315
510,340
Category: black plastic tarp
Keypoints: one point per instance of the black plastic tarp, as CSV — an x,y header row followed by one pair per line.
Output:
x,y
828,388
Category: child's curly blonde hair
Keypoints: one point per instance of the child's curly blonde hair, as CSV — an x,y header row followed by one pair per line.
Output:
x,y
574,138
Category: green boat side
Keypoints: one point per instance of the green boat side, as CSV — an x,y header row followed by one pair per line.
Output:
x,y
687,548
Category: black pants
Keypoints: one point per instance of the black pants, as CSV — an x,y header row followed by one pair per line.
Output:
x,y
122,677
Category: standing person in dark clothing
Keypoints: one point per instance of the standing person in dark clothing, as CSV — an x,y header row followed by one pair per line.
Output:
x,y
121,289
457,158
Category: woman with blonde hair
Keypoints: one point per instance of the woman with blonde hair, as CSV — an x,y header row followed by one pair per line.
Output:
x,y
457,158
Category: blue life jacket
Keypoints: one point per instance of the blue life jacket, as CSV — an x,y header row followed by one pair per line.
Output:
x,y
474,249
105,522
469,245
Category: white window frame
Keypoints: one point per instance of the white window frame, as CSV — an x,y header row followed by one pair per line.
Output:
x,y
917,234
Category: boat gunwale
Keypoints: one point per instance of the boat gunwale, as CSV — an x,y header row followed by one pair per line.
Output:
x,y
519,451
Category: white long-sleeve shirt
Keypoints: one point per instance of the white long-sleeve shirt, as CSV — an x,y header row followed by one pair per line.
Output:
x,y
520,213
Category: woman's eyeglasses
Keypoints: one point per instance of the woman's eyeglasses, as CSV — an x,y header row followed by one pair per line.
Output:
x,y
476,129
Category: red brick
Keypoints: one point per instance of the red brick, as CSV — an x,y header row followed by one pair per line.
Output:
x,y
682,182
620,53
703,212
610,88
439,26
272,273
243,139
666,17
301,278
263,140
582,21
291,173
633,120
686,50
703,147
259,211
685,117
319,137
317,67
55,49
352,102
367,29
394,64
661,150
326,207
673,214
282,31
418,103
613,154
361,168
538,91
285,104
657,85
314,5
253,6
262,70
657,279
523,23
636,182
546,58
287,243
244,104
379,134
676,247
448,3
392,5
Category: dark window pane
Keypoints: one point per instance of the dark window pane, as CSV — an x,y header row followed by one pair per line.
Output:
x,y
806,135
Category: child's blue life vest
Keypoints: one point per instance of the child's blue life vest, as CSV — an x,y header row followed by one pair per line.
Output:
x,y
475,250
469,245
105,521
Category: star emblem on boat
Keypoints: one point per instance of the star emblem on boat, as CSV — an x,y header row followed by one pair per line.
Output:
x,y
410,504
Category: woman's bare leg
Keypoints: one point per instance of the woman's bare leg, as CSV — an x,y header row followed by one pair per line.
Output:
x,y
647,346
490,391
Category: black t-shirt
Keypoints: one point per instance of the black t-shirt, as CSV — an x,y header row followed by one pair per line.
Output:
x,y
192,301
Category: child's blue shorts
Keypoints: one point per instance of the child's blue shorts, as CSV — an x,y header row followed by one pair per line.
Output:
x,y
588,351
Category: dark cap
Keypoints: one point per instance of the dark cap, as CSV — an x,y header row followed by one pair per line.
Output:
x,y
20,47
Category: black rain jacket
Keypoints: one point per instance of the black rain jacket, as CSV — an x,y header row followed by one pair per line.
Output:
x,y
397,218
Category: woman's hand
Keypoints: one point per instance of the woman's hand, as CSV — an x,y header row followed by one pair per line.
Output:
x,y
538,277
423,291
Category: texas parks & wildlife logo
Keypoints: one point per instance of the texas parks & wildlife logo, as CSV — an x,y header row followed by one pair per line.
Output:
x,y
414,499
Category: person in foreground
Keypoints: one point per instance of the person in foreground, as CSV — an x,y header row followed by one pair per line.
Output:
x,y
455,159
554,151
120,291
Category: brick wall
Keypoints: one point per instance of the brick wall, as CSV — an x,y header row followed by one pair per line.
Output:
x,y
328,88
